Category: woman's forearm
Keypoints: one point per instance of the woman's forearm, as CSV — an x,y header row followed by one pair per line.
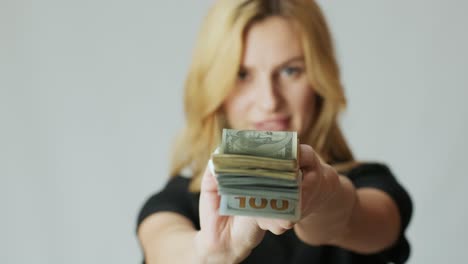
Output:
x,y
170,238
364,220
374,224
176,247
331,215
163,242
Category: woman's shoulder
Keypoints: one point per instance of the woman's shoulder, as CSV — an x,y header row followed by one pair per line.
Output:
x,y
370,174
178,182
367,167
353,168
173,197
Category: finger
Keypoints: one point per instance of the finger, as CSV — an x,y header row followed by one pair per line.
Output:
x,y
308,159
286,224
276,226
209,199
209,183
277,230
311,185
319,186
310,178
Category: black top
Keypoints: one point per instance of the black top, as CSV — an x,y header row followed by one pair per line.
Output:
x,y
287,248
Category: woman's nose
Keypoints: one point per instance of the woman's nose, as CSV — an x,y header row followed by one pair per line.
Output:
x,y
268,96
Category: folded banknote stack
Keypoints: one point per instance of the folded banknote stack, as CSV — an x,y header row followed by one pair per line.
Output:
x,y
258,174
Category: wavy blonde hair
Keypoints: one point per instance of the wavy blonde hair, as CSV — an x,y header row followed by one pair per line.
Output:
x,y
216,62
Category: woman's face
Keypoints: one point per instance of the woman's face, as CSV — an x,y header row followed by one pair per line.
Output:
x,y
272,91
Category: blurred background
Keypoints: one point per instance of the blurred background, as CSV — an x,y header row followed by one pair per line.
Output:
x,y
91,99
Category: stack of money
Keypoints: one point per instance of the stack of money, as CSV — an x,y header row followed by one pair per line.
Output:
x,y
258,174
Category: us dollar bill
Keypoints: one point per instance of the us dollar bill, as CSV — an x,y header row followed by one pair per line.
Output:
x,y
259,191
260,206
224,161
239,180
258,173
287,175
270,144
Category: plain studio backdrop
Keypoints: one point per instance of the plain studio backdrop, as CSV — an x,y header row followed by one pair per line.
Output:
x,y
91,98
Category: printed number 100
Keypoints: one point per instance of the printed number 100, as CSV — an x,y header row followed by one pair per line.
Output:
x,y
262,203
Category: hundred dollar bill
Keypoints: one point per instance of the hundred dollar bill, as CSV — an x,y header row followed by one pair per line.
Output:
x,y
293,195
260,206
258,173
223,161
270,144
229,179
287,175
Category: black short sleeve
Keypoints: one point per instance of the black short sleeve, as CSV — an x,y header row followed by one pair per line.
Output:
x,y
174,197
380,177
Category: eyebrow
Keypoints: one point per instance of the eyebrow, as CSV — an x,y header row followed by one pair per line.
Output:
x,y
291,60
281,65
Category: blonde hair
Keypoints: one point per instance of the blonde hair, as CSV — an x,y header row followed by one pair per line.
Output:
x,y
214,69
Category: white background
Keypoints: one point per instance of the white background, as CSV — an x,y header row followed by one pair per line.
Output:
x,y
91,98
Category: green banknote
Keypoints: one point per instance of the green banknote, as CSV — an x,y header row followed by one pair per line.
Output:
x,y
258,173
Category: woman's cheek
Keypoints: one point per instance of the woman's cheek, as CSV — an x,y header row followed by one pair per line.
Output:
x,y
303,107
237,109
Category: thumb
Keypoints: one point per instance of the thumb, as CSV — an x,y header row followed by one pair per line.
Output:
x,y
209,199
208,183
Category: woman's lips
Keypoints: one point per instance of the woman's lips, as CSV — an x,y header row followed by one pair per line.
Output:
x,y
273,124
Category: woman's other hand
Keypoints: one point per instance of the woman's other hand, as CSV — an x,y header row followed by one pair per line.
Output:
x,y
229,239
327,200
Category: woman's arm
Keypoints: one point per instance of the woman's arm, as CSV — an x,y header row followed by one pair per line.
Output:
x,y
363,220
172,238
165,235
374,224
168,237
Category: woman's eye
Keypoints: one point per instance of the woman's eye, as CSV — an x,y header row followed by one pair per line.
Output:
x,y
242,75
292,71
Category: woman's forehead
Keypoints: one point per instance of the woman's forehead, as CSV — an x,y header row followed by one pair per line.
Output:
x,y
273,40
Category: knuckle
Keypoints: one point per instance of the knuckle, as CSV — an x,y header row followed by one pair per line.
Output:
x,y
286,224
277,230
289,225
262,225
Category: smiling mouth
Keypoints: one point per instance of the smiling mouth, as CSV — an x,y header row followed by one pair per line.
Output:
x,y
273,124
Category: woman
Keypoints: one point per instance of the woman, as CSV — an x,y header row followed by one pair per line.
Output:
x,y
270,65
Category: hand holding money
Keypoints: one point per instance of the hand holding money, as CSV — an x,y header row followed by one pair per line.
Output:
x,y
258,174
276,197
229,239
328,201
